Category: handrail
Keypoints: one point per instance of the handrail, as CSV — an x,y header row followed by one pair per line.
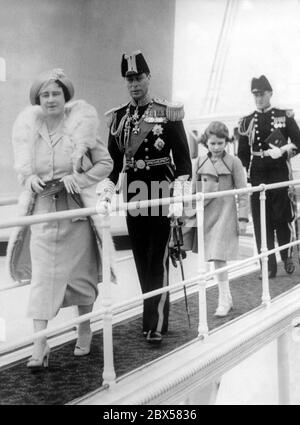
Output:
x,y
8,201
201,277
128,206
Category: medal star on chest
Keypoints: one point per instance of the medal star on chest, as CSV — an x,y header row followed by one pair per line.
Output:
x,y
157,130
135,120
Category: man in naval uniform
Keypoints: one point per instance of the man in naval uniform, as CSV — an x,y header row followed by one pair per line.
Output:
x,y
264,151
149,133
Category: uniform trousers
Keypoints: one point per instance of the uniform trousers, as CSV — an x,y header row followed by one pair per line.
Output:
x,y
149,238
279,213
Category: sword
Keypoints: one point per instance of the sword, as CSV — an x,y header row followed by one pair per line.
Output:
x,y
178,242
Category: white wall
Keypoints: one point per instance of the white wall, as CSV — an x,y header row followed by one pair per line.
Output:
x,y
264,39
86,38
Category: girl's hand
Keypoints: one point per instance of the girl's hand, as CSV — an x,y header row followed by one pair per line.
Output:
x,y
37,184
242,227
70,184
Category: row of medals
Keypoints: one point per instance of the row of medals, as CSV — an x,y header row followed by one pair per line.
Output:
x,y
148,116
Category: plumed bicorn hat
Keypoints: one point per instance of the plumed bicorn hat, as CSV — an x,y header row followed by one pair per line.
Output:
x,y
133,64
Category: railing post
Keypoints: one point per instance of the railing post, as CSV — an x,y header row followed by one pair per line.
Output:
x,y
109,375
2,330
283,367
202,327
263,233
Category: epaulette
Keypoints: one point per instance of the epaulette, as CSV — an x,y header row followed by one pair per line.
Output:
x,y
287,112
174,111
244,123
290,113
109,115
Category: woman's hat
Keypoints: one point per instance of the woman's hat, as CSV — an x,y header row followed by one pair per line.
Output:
x,y
57,75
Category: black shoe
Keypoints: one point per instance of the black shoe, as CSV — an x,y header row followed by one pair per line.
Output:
x,y
272,274
145,333
289,266
154,337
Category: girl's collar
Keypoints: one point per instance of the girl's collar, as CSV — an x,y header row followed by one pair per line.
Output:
x,y
209,154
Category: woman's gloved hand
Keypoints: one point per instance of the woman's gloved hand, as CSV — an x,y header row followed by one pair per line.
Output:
x,y
37,184
70,184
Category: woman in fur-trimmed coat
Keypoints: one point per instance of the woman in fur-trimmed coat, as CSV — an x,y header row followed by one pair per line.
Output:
x,y
56,141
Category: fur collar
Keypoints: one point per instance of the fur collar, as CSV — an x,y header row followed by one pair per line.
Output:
x,y
81,126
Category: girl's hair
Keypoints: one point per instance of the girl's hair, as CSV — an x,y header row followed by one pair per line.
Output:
x,y
217,128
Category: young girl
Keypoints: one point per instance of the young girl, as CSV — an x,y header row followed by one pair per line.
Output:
x,y
218,171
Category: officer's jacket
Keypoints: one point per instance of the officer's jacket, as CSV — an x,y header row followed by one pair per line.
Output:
x,y
256,127
157,151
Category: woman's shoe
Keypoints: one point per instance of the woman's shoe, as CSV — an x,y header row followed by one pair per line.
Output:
x,y
83,345
40,361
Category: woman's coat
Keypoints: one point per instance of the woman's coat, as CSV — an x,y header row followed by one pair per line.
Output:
x,y
91,164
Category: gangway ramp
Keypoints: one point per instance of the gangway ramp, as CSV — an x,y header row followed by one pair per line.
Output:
x,y
70,379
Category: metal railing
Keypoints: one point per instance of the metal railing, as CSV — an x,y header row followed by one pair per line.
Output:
x,y
109,308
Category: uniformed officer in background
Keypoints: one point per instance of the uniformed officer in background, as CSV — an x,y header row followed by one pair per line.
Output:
x,y
264,151
149,132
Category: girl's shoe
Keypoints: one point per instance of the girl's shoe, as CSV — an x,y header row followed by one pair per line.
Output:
x,y
223,309
225,300
83,345
41,360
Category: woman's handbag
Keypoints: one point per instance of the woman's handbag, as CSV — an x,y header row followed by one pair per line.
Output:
x,y
52,187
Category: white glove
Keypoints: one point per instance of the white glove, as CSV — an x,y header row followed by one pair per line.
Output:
x,y
105,190
176,210
275,152
103,207
35,184
181,187
288,147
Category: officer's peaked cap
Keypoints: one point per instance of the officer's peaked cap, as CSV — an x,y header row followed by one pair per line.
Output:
x,y
260,84
133,64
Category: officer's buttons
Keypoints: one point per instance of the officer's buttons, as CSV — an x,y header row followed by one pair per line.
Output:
x,y
146,157
259,144
258,138
148,168
135,169
145,140
140,164
146,149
